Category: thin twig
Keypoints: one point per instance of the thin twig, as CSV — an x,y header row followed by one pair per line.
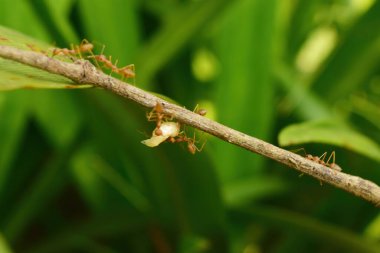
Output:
x,y
83,72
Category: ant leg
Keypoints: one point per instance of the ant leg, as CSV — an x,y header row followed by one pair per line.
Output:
x,y
331,156
101,53
323,156
201,148
75,50
299,149
195,146
89,50
322,159
333,165
114,67
103,47
134,73
192,147
195,108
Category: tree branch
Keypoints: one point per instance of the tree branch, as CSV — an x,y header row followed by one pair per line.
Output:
x,y
84,72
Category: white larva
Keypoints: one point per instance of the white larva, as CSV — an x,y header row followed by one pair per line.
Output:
x,y
168,129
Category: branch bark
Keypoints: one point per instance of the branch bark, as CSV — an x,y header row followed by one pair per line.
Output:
x,y
83,72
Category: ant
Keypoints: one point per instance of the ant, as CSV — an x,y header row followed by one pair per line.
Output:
x,y
321,160
200,111
125,72
157,115
106,62
332,165
84,47
191,144
35,48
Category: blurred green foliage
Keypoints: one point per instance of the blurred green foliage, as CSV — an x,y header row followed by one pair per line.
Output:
x,y
74,176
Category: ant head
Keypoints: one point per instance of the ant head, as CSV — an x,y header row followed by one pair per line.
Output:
x,y
202,112
86,47
159,108
158,131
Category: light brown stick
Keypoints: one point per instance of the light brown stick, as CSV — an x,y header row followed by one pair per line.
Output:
x,y
84,72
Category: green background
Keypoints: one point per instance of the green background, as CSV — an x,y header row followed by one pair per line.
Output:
x,y
74,176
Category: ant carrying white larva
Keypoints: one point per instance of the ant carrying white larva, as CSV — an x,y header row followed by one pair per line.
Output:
x,y
169,130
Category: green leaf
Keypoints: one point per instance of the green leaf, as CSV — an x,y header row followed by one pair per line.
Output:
x,y
37,195
245,190
14,75
329,132
292,221
245,88
115,24
307,104
89,184
354,60
11,11
194,244
373,229
368,110
10,37
88,164
13,115
4,247
183,24
56,19
111,224
54,109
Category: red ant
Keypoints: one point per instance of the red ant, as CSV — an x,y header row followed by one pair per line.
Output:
x,y
106,62
191,147
200,111
190,144
35,48
332,165
84,47
157,115
125,72
321,160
